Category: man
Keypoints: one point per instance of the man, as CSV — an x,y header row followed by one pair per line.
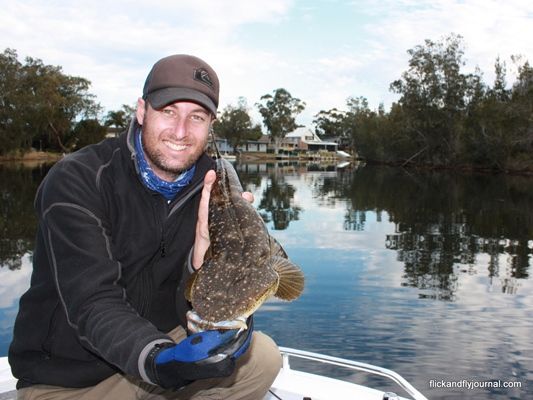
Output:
x,y
121,225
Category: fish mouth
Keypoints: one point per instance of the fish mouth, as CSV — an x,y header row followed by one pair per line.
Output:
x,y
196,324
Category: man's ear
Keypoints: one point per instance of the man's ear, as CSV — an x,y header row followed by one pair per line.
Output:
x,y
141,109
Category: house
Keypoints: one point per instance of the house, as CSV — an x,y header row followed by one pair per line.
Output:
x,y
343,141
255,146
250,146
223,145
304,139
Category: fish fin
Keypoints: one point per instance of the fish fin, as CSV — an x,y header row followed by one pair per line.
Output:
x,y
190,284
275,248
291,279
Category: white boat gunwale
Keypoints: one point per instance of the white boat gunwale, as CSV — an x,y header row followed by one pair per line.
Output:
x,y
288,352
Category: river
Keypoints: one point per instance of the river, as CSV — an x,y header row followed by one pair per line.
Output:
x,y
425,273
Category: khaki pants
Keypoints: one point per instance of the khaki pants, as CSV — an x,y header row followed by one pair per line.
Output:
x,y
254,373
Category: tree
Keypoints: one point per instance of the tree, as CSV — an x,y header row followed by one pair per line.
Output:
x,y
88,131
279,114
235,125
119,119
330,123
12,124
40,104
367,129
433,93
522,113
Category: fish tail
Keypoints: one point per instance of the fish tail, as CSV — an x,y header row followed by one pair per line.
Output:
x,y
291,279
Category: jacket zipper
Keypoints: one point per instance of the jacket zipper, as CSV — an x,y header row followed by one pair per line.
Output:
x,y
162,245
175,207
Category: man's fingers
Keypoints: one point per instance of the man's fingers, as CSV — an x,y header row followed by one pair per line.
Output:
x,y
201,242
209,180
249,197
203,211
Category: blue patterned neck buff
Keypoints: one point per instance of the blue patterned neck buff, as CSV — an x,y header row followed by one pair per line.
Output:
x,y
168,190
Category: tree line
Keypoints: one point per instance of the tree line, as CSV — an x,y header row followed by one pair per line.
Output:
x,y
42,108
443,117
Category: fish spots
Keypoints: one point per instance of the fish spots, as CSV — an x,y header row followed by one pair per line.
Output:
x,y
238,277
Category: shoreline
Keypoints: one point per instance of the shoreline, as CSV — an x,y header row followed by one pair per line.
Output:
x,y
32,156
43,157
32,159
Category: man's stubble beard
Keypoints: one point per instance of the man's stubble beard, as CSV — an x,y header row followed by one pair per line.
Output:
x,y
156,158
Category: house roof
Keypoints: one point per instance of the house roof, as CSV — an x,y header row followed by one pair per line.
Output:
x,y
300,132
303,132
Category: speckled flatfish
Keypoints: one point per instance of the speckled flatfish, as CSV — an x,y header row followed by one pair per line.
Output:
x,y
244,266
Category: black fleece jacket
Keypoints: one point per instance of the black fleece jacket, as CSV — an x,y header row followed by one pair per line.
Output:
x,y
109,257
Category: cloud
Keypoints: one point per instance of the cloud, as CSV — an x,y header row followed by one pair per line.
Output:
x,y
114,49
489,28
322,52
14,283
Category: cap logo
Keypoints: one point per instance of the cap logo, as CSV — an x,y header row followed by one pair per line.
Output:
x,y
201,75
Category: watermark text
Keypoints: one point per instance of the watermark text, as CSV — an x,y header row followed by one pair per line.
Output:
x,y
470,384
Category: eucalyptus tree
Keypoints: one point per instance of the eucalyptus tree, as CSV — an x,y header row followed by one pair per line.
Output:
x,y
330,123
88,131
236,125
12,133
279,113
433,97
40,104
522,113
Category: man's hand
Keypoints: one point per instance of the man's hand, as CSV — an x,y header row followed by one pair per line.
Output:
x,y
203,355
201,243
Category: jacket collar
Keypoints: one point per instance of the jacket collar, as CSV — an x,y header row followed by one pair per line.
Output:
x,y
203,164
130,136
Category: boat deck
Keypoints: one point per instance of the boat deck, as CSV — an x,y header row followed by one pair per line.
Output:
x,y
292,384
7,382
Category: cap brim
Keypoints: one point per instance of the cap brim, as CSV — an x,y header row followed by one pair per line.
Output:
x,y
162,97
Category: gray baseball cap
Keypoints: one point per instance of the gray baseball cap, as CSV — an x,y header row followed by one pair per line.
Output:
x,y
182,77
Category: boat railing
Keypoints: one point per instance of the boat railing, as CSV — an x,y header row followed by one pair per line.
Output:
x,y
354,365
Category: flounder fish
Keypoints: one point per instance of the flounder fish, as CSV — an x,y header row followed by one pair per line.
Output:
x,y
244,265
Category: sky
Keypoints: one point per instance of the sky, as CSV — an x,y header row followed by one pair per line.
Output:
x,y
321,51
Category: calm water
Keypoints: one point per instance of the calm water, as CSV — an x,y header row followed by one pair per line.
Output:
x,y
428,274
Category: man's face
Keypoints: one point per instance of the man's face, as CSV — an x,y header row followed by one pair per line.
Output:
x,y
173,137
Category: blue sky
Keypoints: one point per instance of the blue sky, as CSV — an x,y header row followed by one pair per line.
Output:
x,y
321,51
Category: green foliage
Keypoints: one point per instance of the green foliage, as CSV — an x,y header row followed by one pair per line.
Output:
x,y
331,123
433,97
444,117
119,119
88,131
235,124
39,104
279,113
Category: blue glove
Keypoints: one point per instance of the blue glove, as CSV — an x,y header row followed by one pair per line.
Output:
x,y
208,354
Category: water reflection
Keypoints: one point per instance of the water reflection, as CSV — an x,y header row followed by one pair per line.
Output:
x,y
276,203
443,222
425,273
17,223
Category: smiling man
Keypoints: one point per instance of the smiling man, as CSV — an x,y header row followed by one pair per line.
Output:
x,y
122,224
